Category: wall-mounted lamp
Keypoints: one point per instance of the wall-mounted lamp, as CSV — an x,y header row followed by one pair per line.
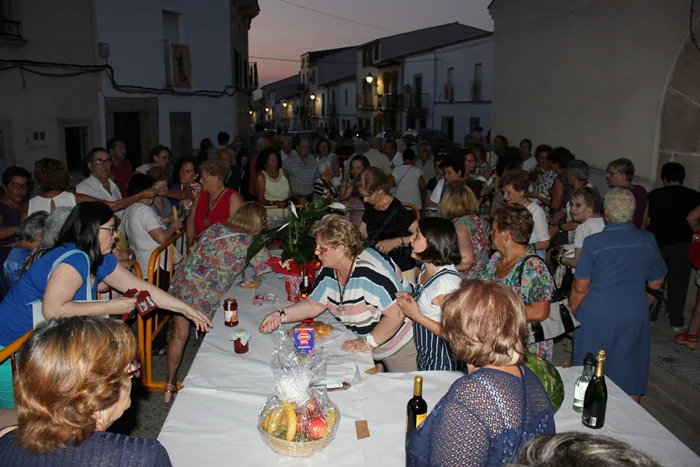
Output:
x,y
250,112
369,78
312,97
267,109
284,104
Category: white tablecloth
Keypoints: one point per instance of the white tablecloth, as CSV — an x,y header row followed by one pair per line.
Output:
x,y
213,420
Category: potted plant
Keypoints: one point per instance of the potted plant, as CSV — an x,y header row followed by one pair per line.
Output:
x,y
293,236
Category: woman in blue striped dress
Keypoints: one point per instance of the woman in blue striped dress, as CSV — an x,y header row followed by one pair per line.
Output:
x,y
435,243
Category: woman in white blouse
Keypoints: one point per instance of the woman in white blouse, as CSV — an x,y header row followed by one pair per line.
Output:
x,y
515,184
586,206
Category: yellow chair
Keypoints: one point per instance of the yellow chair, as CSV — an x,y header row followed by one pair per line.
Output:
x,y
150,326
10,351
414,210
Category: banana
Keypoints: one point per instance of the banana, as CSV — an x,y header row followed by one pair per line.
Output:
x,y
275,418
291,420
331,418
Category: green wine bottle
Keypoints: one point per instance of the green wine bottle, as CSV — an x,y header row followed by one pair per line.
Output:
x,y
596,400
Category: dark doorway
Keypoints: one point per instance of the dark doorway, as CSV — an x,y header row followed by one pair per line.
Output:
x,y
127,127
181,134
76,146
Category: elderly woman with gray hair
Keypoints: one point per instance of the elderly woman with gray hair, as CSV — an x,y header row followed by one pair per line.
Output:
x,y
28,235
609,295
620,175
323,186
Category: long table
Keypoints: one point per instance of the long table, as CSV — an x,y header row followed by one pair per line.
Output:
x,y
213,419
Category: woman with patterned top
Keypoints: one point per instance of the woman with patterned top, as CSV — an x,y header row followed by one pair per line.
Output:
x,y
489,414
435,244
323,186
542,176
348,191
210,270
187,174
358,286
517,266
461,206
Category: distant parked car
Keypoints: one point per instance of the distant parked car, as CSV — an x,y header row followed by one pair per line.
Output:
x,y
438,140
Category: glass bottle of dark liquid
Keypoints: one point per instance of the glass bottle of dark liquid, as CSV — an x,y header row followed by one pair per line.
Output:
x,y
596,400
304,289
417,409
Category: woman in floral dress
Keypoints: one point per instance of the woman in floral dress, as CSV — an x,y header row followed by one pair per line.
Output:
x,y
461,206
518,267
215,261
542,177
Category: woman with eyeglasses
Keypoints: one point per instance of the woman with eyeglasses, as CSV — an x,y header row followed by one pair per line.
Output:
x,y
359,287
210,270
65,277
73,382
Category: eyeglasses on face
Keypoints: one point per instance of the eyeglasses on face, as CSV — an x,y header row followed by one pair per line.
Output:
x,y
18,186
102,161
321,251
112,229
134,369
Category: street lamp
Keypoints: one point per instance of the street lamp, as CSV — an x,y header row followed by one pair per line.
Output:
x,y
312,97
369,78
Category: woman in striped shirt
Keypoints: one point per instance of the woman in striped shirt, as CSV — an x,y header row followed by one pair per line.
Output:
x,y
358,286
435,243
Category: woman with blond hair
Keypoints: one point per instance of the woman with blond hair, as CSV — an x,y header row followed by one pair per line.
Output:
x,y
358,286
461,206
485,324
209,271
73,382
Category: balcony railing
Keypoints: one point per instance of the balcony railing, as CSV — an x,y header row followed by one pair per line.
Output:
x,y
416,103
390,101
252,76
365,101
10,28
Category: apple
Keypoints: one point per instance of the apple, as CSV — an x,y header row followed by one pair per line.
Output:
x,y
316,428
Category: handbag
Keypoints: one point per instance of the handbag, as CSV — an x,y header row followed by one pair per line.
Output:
x,y
694,250
37,311
401,254
560,320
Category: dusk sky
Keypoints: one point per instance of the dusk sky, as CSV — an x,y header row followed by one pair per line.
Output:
x,y
287,31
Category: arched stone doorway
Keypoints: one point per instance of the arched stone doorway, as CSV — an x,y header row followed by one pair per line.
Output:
x,y
680,117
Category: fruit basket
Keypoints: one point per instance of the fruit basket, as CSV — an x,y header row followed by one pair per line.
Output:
x,y
312,429
298,419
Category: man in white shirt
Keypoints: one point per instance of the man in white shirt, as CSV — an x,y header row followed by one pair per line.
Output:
x,y
408,180
375,156
453,167
286,151
529,161
426,161
391,150
98,184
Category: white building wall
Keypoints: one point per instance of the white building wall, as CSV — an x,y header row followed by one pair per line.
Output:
x,y
434,67
33,103
587,74
134,32
347,110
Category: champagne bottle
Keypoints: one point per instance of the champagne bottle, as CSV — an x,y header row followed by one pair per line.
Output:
x,y
596,400
582,382
417,409
304,289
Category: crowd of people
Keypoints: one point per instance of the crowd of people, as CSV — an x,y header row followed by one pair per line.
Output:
x,y
429,244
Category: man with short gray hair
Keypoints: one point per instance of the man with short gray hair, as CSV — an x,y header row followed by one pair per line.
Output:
x,y
287,150
620,175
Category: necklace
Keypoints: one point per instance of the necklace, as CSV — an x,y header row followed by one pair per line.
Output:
x,y
341,290
210,206
505,267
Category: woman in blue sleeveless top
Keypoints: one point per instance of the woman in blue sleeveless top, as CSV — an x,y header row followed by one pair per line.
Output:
x,y
65,279
435,243
487,416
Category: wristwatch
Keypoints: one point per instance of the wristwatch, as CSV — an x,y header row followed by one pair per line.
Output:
x,y
371,343
283,315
